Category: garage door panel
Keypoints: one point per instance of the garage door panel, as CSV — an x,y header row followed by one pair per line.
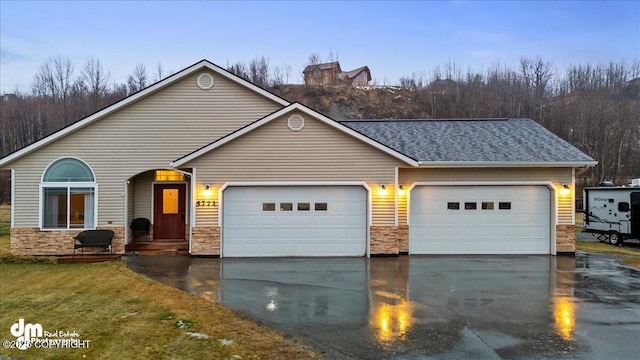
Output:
x,y
340,230
520,225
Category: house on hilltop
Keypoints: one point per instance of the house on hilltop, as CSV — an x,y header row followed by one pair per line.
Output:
x,y
332,74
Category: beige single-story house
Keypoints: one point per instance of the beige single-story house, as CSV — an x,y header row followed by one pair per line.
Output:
x,y
236,171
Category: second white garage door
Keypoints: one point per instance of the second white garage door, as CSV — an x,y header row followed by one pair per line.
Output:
x,y
269,221
479,220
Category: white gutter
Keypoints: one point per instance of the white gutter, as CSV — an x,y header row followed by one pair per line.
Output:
x,y
458,164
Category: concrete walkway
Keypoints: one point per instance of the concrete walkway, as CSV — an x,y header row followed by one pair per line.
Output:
x,y
422,307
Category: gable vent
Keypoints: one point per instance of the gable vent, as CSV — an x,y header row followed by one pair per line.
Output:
x,y
295,122
205,81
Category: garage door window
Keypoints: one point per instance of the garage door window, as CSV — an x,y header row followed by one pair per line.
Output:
x,y
268,206
453,206
321,206
286,206
470,206
487,205
304,207
504,205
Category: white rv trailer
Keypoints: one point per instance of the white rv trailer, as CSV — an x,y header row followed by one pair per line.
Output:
x,y
612,212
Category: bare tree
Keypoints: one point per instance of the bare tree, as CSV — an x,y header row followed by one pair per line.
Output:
x,y
158,73
96,81
259,71
138,79
239,69
333,56
277,77
536,75
286,69
314,59
53,81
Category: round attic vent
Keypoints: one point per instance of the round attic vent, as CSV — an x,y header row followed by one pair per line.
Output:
x,y
205,81
295,122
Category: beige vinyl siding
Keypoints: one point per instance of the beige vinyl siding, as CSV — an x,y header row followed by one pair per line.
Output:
x,y
143,191
146,135
558,176
566,209
316,153
402,205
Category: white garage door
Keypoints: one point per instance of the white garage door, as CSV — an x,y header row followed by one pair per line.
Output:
x,y
479,220
262,221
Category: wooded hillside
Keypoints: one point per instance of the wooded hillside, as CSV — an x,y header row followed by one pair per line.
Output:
x,y
594,107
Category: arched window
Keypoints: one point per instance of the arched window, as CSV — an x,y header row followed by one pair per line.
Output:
x,y
68,170
68,196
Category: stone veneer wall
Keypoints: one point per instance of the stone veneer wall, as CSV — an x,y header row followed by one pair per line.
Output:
x,y
386,240
565,238
205,240
33,241
403,238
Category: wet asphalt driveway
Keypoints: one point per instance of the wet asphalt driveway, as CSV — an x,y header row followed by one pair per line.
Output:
x,y
415,307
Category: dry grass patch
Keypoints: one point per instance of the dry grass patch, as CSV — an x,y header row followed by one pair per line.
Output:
x,y
128,316
630,256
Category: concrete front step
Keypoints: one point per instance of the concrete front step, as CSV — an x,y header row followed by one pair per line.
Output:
x,y
182,245
167,252
159,248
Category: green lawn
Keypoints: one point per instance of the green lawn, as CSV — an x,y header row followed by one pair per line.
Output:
x,y
5,219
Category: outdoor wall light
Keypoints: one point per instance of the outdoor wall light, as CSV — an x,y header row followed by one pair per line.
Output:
x,y
207,190
401,190
382,191
566,190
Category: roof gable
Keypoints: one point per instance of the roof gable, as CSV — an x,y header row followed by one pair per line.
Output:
x,y
271,117
154,88
353,73
324,66
473,142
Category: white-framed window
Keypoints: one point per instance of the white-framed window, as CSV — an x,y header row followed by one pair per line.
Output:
x,y
68,196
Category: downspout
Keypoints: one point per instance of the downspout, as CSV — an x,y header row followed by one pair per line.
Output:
x,y
582,170
13,198
126,211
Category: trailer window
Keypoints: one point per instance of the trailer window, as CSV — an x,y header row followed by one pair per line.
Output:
x,y
623,207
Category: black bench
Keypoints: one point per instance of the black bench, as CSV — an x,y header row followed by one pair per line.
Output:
x,y
93,238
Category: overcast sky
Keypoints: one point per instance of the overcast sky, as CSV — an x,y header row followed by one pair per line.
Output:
x,y
393,38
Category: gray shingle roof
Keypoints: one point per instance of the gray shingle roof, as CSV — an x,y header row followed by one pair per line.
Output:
x,y
465,140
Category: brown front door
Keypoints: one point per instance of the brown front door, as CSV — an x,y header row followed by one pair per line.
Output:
x,y
169,213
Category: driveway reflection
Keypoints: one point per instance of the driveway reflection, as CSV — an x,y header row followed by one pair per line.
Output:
x,y
441,307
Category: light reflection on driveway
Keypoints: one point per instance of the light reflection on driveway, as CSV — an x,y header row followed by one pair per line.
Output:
x,y
438,307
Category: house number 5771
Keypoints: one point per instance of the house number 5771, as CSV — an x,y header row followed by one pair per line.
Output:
x,y
206,203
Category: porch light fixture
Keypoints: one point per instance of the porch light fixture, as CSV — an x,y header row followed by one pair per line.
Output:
x,y
207,190
565,190
401,190
382,191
